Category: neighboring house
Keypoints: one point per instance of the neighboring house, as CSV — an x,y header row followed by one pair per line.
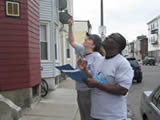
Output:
x,y
138,48
20,51
125,51
137,53
30,39
80,28
131,49
143,46
53,39
154,38
49,31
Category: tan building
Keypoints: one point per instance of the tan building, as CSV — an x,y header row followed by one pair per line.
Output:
x,y
80,29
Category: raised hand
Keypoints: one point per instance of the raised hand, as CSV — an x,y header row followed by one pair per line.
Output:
x,y
82,62
70,21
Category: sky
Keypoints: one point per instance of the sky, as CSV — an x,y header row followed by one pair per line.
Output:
x,y
128,17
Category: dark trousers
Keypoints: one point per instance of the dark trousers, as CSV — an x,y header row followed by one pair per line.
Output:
x,y
95,119
84,103
100,119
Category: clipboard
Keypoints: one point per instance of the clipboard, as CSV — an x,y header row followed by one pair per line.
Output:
x,y
75,74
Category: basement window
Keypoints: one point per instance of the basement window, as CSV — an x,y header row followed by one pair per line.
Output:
x,y
12,8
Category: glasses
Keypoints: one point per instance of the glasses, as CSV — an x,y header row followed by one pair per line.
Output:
x,y
117,37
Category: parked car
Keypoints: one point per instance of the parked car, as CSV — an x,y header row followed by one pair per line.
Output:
x,y
148,60
150,104
138,75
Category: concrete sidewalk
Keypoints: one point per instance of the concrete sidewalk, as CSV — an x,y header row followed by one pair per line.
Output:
x,y
60,104
57,105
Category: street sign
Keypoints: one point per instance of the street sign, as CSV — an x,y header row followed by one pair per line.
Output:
x,y
102,30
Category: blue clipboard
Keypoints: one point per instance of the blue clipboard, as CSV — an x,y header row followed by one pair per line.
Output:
x,y
75,74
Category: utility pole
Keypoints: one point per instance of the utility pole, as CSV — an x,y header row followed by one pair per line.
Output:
x,y
102,28
101,12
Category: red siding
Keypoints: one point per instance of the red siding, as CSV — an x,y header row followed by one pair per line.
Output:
x,y
34,42
144,47
19,47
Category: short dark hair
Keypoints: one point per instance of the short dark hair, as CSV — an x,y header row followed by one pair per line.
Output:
x,y
118,38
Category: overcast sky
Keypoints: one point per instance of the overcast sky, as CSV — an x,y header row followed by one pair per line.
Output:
x,y
128,17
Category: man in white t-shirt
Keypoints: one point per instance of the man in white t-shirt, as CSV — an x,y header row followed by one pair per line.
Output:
x,y
90,50
109,100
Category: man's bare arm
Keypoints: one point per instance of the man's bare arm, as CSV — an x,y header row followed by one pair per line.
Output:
x,y
115,89
70,32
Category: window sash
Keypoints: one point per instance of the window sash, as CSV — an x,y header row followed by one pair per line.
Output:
x,y
68,53
43,33
67,50
56,55
156,97
44,42
12,8
44,51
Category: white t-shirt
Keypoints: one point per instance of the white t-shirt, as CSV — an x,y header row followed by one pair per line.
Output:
x,y
91,59
106,106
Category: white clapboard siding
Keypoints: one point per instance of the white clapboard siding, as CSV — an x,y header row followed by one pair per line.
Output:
x,y
47,70
45,9
49,12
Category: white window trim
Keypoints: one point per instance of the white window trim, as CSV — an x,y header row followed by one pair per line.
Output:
x,y
65,37
64,46
18,5
57,41
48,40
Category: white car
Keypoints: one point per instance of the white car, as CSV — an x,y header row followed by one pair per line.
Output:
x,y
150,104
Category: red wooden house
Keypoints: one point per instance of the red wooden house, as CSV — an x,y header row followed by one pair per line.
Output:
x,y
19,50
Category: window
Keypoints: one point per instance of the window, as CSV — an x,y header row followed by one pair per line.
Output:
x,y
44,41
12,8
153,26
157,24
158,103
67,49
57,44
156,97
